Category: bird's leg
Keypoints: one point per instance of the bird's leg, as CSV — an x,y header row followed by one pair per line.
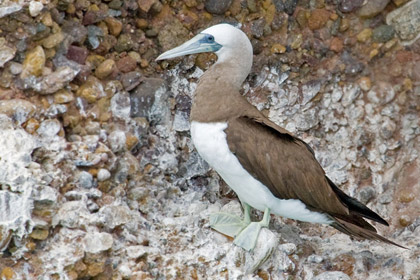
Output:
x,y
247,238
229,224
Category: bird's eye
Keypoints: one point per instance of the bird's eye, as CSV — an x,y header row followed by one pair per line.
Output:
x,y
210,38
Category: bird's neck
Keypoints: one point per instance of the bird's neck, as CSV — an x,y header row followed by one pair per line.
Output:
x,y
217,96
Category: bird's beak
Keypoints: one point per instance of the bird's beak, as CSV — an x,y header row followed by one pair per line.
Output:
x,y
198,44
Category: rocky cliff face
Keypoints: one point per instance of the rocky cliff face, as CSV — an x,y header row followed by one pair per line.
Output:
x,y
98,175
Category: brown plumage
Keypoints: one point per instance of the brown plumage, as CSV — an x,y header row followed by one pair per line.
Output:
x,y
282,162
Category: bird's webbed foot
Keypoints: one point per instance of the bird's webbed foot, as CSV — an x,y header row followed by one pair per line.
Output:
x,y
229,224
247,238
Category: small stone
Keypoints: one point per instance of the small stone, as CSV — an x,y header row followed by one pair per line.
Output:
x,y
218,7
399,2
124,43
383,33
103,175
315,259
105,69
278,48
34,62
318,19
92,90
344,25
364,35
112,215
95,268
15,68
406,196
347,6
131,80
290,6
53,40
142,23
77,54
145,5
56,80
19,110
115,4
114,26
7,273
63,96
39,234
98,242
364,83
49,128
372,8
85,180
387,129
126,64
336,44
6,54
405,221
117,141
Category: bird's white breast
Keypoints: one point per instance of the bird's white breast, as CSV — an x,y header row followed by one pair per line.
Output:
x,y
210,141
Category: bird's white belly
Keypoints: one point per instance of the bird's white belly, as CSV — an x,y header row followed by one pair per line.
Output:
x,y
210,141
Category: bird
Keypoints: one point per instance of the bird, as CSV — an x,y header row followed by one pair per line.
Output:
x,y
269,168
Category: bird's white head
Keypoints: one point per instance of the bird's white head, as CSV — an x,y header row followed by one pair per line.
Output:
x,y
225,40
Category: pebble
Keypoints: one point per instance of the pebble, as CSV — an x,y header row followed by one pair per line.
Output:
x,y
347,6
35,8
372,8
53,40
117,141
56,80
103,175
364,35
10,8
114,26
336,45
34,62
406,21
217,6
131,79
91,90
7,273
318,19
97,242
6,54
105,69
19,110
383,33
365,83
366,194
124,43
126,64
278,48
49,128
85,180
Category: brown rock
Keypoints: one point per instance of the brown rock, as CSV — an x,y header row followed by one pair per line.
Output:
x,y
105,69
126,64
145,5
114,26
7,273
336,44
34,62
278,48
78,54
318,19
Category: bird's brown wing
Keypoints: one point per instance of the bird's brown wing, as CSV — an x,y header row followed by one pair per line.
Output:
x,y
282,162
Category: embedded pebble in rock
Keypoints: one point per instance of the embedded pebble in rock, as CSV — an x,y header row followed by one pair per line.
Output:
x,y
332,275
117,141
366,194
113,216
217,6
19,110
383,33
347,6
97,242
372,8
78,54
56,80
85,180
34,62
115,26
131,79
6,53
103,175
72,214
35,8
126,64
318,19
105,69
406,21
49,128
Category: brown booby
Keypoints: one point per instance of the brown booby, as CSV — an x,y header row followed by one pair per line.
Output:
x,y
268,168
